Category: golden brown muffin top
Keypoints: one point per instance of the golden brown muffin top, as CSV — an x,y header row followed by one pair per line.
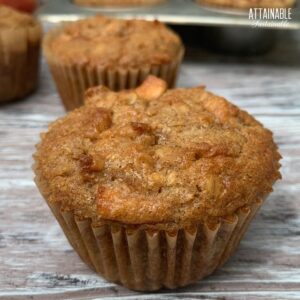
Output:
x,y
104,42
11,18
156,156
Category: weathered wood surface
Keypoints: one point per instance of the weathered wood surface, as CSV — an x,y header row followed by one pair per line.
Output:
x,y
36,262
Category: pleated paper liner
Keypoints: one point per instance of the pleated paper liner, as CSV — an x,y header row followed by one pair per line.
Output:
x,y
147,260
73,80
19,61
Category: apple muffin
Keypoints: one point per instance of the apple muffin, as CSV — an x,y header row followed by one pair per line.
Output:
x,y
155,187
118,3
112,52
20,36
246,4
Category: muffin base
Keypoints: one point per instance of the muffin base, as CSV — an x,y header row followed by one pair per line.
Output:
x,y
73,80
19,62
146,259
246,4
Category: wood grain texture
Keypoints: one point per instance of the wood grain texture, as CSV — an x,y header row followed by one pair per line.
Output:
x,y
36,262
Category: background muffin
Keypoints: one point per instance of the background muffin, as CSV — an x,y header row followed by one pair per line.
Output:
x,y
249,3
20,36
153,187
117,2
115,53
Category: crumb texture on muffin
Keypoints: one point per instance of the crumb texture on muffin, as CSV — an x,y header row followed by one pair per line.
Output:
x,y
104,42
152,155
11,18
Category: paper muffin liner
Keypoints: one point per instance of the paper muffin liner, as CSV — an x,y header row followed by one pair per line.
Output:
x,y
19,61
74,79
148,259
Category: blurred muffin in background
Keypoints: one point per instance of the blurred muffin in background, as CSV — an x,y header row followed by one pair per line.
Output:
x,y
112,52
20,36
116,2
245,4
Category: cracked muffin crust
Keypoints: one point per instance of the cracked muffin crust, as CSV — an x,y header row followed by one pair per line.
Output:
x,y
153,156
106,42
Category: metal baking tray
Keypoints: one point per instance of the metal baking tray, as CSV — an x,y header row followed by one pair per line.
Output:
x,y
180,12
